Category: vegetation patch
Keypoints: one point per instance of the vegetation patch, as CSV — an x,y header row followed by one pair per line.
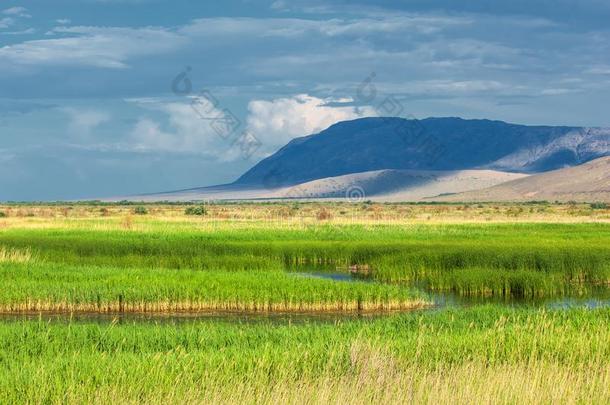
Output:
x,y
446,356
8,255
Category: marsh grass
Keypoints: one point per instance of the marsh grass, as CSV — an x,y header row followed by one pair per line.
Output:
x,y
79,258
48,287
8,255
525,260
499,270
486,354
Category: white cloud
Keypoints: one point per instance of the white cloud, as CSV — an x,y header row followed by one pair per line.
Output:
x,y
27,31
6,22
93,46
278,121
279,5
63,21
599,70
13,14
17,11
84,121
185,132
272,123
293,27
557,92
148,136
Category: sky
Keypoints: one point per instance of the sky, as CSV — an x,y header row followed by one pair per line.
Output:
x,y
103,98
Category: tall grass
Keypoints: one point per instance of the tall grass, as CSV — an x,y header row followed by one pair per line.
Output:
x,y
483,354
498,269
50,287
511,260
8,255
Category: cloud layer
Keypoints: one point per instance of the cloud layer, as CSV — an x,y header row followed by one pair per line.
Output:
x,y
86,89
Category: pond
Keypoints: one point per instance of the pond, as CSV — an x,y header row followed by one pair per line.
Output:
x,y
590,297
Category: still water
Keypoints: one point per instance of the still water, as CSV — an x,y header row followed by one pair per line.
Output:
x,y
594,297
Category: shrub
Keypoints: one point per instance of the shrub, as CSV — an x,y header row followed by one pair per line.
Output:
x,y
3,214
324,215
140,210
199,210
599,206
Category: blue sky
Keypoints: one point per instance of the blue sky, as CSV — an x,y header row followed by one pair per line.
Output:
x,y
87,106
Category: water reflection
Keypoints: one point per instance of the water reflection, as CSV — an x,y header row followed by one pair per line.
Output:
x,y
591,297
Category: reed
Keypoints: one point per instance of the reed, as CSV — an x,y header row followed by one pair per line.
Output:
x,y
242,258
494,259
8,255
486,353
50,287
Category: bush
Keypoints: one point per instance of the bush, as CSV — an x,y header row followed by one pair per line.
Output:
x,y
140,210
200,210
3,214
599,206
324,215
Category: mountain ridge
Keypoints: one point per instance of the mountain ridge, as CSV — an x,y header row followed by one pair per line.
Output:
x,y
449,143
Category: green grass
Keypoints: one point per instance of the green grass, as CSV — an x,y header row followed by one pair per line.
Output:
x,y
53,362
513,269
52,287
494,259
484,353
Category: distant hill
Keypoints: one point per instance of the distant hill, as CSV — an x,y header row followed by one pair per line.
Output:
x,y
396,159
371,144
397,185
383,185
589,182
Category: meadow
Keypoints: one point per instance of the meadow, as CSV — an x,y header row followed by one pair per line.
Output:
x,y
388,338
484,354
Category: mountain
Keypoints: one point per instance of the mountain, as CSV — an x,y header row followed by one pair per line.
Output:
x,y
445,144
589,182
397,185
383,185
396,159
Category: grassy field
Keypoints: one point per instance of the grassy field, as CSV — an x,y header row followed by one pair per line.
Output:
x,y
247,258
487,354
109,267
282,213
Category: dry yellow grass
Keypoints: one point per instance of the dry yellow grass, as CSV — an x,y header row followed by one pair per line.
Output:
x,y
378,379
38,306
15,255
291,215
